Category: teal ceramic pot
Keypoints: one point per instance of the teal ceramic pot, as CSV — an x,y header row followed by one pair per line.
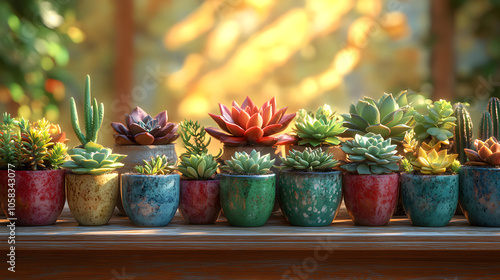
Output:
x,y
480,195
247,200
310,198
150,200
429,200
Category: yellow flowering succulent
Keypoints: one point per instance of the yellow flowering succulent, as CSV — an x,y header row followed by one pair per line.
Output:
x,y
432,162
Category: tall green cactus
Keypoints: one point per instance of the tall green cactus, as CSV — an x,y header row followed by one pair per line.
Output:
x,y
494,110
93,115
463,131
485,126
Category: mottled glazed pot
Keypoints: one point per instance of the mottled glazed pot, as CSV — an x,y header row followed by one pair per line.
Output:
x,y
150,200
92,198
370,199
200,201
247,200
429,200
310,198
136,154
39,196
479,195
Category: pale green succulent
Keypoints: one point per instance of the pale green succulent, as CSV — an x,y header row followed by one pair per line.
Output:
x,y
309,160
93,159
370,154
158,165
198,167
245,164
320,128
438,123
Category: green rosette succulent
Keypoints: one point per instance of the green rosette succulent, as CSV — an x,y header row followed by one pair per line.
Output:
x,y
438,124
198,167
370,154
248,164
308,160
93,159
158,165
320,128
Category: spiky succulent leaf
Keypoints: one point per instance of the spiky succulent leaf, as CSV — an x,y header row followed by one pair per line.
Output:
x,y
308,160
320,128
433,162
437,124
93,159
158,165
198,167
248,164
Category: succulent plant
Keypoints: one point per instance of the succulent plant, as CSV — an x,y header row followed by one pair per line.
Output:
x,y
485,126
93,116
309,160
93,159
410,144
56,134
9,152
486,153
142,129
387,117
198,167
437,124
463,131
248,164
370,154
251,125
406,165
432,162
158,165
194,139
320,128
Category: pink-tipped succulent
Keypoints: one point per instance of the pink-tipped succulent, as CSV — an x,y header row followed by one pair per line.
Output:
x,y
486,153
251,125
142,129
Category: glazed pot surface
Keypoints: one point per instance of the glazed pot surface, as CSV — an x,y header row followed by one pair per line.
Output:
x,y
200,201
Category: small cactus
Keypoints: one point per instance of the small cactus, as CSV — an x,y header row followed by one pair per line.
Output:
x,y
463,131
485,126
494,110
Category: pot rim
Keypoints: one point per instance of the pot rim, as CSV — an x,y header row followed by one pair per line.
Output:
x,y
366,175
208,180
138,145
311,172
135,174
248,176
481,167
426,175
108,173
34,171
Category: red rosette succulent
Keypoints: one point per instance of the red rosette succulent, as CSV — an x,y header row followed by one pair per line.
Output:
x,y
142,129
251,125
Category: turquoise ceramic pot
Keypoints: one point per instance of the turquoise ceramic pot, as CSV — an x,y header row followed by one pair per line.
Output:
x,y
429,200
480,195
310,198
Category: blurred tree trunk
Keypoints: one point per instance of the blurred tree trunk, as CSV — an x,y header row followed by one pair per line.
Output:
x,y
442,57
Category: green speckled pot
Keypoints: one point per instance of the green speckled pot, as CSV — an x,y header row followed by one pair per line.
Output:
x,y
429,200
247,200
310,199
92,198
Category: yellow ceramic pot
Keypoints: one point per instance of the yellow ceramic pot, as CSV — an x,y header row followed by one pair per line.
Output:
x,y
92,198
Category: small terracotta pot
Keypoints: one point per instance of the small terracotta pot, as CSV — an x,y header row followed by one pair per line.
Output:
x,y
371,199
200,201
39,196
92,198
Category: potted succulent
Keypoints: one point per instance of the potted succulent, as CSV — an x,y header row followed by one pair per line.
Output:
x,y
143,137
31,182
310,190
371,183
429,188
200,191
320,129
247,190
151,197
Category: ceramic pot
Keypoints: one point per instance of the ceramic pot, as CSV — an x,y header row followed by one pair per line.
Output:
x,y
247,200
136,154
479,195
429,200
310,198
150,200
92,198
200,201
370,199
39,196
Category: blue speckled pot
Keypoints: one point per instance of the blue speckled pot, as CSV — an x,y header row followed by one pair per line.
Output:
x,y
310,198
480,195
150,200
429,200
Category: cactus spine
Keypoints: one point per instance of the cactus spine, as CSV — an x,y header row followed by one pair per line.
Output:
x,y
463,131
494,110
93,115
485,126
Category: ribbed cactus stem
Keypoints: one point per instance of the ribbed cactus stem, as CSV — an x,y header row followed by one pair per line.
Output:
x,y
463,131
75,122
494,110
485,126
87,107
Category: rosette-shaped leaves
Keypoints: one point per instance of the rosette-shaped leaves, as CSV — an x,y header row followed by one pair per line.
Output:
x,y
251,125
370,154
309,160
142,129
158,165
486,153
248,164
437,124
432,162
321,128
93,159
198,167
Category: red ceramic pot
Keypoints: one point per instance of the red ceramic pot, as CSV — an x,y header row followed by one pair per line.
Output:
x,y
200,201
371,199
40,196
